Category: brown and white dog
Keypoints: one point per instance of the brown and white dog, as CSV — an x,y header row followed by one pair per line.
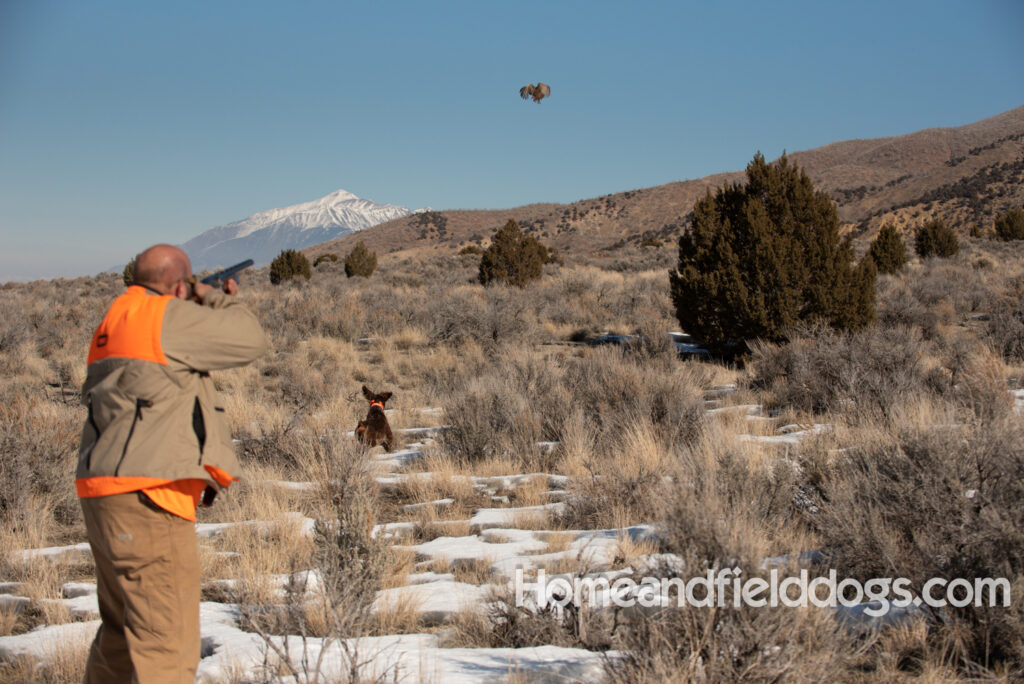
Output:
x,y
375,429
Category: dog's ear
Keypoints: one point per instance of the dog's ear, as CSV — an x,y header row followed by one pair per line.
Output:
x,y
367,393
384,397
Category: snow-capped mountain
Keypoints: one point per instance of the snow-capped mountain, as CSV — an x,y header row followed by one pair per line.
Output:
x,y
262,236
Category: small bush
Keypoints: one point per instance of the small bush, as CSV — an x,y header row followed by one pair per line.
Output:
x,y
1005,332
471,249
324,258
868,372
936,239
1010,225
287,265
946,503
512,258
520,401
729,511
888,250
360,261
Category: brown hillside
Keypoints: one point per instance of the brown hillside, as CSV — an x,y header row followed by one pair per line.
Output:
x,y
963,175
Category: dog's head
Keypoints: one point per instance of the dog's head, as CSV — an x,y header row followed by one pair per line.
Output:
x,y
376,399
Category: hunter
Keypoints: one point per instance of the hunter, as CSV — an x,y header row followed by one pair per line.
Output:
x,y
156,445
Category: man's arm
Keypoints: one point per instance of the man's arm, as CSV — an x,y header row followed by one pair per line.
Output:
x,y
219,333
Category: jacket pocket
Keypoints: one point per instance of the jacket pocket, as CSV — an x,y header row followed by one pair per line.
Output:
x,y
199,427
206,426
95,429
139,405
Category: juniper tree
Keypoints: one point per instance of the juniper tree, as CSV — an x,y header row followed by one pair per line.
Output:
x,y
936,239
888,250
1010,225
762,256
360,261
512,258
287,265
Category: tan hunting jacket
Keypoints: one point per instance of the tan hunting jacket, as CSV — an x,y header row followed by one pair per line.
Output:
x,y
154,413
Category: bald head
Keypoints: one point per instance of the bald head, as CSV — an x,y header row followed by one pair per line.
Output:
x,y
161,267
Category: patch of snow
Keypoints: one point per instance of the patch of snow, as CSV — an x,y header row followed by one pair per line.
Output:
x,y
789,434
42,642
744,409
857,619
71,552
435,602
212,530
13,604
303,487
76,589
396,460
803,560
720,390
507,517
428,577
437,503
474,548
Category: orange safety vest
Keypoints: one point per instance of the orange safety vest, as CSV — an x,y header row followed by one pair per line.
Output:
x,y
131,329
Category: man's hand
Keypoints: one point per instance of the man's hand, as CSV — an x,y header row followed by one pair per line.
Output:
x,y
202,289
199,291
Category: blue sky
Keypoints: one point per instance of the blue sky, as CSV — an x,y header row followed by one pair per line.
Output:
x,y
128,123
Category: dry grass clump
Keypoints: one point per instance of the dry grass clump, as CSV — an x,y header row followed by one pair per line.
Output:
x,y
921,502
620,441
38,456
821,370
727,511
348,561
505,625
917,495
982,289
615,388
868,375
525,397
519,400
623,481
735,644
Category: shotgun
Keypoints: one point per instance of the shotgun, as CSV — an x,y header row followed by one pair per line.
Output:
x,y
220,277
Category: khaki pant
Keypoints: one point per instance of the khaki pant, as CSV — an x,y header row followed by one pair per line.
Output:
x,y
147,577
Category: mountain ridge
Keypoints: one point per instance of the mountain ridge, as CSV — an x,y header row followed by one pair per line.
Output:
x,y
262,236
962,174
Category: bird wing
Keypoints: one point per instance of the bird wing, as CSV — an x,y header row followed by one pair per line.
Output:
x,y
526,91
541,91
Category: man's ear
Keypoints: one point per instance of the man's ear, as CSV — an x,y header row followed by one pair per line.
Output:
x,y
181,290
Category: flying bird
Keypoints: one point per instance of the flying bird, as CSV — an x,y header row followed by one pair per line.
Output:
x,y
537,92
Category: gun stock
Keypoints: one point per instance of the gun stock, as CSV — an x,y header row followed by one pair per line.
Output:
x,y
220,277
